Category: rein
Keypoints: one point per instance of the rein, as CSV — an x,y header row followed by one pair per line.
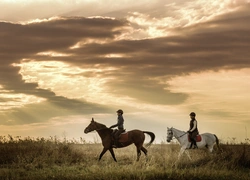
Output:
x,y
180,136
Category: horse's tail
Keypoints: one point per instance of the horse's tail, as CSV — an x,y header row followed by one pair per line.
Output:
x,y
217,142
152,135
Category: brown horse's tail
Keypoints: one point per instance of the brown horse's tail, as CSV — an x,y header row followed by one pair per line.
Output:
x,y
217,142
152,135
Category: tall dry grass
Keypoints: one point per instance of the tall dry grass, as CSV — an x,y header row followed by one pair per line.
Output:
x,y
41,158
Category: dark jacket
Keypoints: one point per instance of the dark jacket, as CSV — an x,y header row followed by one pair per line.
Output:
x,y
120,122
193,130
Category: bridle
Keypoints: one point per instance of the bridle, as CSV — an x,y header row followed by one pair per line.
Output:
x,y
94,126
177,137
100,128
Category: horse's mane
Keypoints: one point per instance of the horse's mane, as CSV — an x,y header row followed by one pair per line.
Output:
x,y
179,130
102,125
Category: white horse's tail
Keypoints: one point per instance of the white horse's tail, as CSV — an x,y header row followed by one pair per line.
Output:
x,y
217,142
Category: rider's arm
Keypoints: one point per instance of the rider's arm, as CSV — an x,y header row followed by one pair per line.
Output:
x,y
115,125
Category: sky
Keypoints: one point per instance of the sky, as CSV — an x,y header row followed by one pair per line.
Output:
x,y
66,61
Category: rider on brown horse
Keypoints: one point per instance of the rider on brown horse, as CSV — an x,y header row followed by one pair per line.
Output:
x,y
119,124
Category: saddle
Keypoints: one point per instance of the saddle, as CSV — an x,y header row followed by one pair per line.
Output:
x,y
123,136
198,138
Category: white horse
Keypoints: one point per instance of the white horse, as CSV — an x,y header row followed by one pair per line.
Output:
x,y
207,140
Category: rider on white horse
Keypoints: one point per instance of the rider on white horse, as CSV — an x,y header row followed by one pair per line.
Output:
x,y
193,130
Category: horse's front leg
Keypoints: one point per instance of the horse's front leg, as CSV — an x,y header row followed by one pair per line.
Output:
x,y
181,152
102,153
183,149
188,155
112,153
179,155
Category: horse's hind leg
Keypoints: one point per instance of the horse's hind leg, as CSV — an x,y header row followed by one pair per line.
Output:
x,y
210,148
145,151
138,149
138,155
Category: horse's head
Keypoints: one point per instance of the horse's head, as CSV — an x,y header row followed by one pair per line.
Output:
x,y
91,127
169,134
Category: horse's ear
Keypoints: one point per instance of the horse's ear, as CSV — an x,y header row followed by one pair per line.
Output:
x,y
92,120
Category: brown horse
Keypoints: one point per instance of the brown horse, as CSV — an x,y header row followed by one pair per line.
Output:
x,y
135,136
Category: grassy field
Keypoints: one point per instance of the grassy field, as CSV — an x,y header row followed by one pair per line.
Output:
x,y
35,159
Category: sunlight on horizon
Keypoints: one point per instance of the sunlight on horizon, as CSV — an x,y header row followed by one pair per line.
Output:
x,y
226,91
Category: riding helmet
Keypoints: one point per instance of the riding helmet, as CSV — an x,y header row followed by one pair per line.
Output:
x,y
192,114
119,111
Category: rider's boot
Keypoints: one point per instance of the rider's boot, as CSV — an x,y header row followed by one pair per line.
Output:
x,y
191,145
115,143
195,145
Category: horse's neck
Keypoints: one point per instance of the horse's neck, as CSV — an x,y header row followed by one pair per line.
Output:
x,y
102,130
179,135
100,126
177,132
